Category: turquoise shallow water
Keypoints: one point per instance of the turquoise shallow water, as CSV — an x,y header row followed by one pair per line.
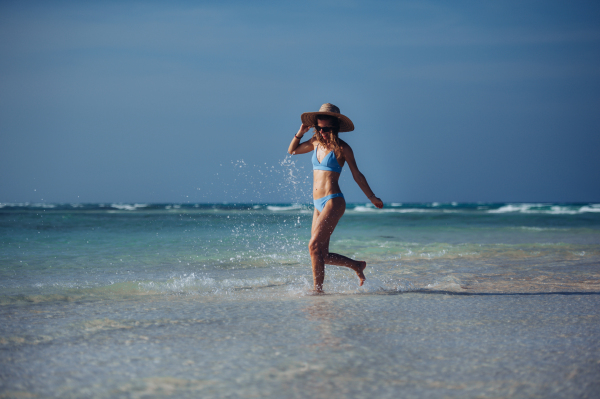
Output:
x,y
214,300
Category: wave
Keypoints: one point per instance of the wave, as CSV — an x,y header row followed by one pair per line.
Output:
x,y
285,208
590,208
548,209
27,205
191,284
127,207
284,284
372,209
356,208
410,210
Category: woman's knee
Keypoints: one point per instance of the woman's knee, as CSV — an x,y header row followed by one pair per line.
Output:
x,y
315,248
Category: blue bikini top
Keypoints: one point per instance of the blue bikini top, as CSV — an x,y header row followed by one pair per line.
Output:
x,y
329,162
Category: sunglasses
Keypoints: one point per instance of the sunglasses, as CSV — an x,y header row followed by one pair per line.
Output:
x,y
325,129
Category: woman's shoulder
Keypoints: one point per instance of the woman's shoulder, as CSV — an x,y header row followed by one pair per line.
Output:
x,y
344,145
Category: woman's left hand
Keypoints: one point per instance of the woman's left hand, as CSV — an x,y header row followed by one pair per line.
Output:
x,y
377,202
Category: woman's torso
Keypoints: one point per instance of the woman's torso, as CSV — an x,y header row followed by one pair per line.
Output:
x,y
325,182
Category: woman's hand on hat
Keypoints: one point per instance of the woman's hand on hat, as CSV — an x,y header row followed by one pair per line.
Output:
x,y
303,129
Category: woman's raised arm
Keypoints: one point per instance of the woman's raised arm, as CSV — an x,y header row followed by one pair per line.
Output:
x,y
296,147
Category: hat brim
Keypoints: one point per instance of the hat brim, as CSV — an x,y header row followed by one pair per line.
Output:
x,y
310,119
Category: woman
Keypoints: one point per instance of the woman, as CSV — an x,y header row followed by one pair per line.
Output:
x,y
330,154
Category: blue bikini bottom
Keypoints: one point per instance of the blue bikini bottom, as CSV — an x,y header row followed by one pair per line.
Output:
x,y
320,202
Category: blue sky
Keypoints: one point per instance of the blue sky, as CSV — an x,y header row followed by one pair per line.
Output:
x,y
161,101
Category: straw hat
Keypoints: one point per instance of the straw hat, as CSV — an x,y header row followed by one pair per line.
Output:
x,y
310,118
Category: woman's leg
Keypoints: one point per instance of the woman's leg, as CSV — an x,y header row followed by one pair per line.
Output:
x,y
324,223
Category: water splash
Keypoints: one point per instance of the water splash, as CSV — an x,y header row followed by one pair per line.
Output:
x,y
296,180
283,182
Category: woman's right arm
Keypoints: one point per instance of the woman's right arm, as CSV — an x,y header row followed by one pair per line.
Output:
x,y
296,147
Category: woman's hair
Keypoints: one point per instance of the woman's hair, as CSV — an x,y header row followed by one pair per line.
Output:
x,y
333,135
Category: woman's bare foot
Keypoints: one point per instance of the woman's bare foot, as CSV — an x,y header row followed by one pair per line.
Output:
x,y
359,272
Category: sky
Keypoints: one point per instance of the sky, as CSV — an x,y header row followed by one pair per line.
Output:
x,y
185,101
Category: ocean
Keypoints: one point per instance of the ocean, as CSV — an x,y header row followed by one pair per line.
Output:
x,y
215,301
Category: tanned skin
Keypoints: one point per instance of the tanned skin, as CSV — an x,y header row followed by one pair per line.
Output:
x,y
326,183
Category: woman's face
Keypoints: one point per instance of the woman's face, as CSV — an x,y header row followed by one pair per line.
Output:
x,y
327,124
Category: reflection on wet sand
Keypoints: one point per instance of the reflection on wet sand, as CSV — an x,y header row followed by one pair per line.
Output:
x,y
531,283
323,314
